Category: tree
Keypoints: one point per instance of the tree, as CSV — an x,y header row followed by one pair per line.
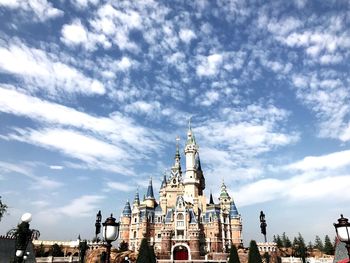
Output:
x,y
233,255
56,251
285,240
300,247
145,253
153,258
328,246
3,209
279,241
40,251
254,255
318,243
123,246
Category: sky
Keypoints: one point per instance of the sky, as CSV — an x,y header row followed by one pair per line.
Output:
x,y
93,94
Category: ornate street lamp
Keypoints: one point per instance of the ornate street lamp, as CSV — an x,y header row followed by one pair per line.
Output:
x,y
23,236
342,228
110,234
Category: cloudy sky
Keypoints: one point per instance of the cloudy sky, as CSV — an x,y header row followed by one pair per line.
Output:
x,y
93,94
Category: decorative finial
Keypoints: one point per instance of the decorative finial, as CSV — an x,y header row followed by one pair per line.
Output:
x,y
189,122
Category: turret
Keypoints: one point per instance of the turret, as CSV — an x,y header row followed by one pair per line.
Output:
x,y
125,220
225,199
191,181
149,200
211,200
136,202
236,225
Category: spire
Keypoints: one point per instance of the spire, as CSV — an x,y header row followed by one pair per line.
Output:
x,y
164,183
224,194
198,162
190,136
127,209
177,154
150,194
137,198
233,210
211,200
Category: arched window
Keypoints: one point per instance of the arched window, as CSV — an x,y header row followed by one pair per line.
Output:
x,y
180,216
134,234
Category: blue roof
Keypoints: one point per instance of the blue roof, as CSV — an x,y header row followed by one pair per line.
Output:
x,y
150,190
127,209
193,218
158,210
233,210
168,216
137,198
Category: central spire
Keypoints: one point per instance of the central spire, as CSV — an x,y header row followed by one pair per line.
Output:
x,y
150,194
190,136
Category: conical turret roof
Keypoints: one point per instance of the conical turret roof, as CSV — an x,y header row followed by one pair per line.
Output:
x,y
150,194
127,209
233,210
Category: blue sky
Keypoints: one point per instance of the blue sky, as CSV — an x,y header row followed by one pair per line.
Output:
x,y
93,94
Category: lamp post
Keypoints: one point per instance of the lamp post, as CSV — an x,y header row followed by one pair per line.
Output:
x,y
110,234
23,236
342,228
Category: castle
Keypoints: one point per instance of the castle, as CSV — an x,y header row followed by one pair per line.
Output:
x,y
182,225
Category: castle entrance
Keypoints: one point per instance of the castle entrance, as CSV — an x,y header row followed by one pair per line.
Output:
x,y
180,253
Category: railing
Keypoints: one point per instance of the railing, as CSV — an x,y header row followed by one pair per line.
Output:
x,y
191,261
57,259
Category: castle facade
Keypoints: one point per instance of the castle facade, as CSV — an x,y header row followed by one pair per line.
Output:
x,y
182,224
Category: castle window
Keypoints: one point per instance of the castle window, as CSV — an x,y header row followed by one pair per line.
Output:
x,y
134,234
180,216
159,235
135,220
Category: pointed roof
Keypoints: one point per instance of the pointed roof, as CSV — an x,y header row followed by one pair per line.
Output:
x,y
224,193
127,209
150,194
198,162
211,200
233,210
164,183
137,198
190,136
177,153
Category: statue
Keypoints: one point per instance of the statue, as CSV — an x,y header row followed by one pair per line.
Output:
x,y
263,224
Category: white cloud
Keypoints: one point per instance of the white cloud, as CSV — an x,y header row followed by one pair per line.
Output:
x,y
120,186
209,98
143,107
209,65
83,206
56,167
38,182
41,9
41,70
327,96
80,207
84,3
186,35
74,33
115,140
330,161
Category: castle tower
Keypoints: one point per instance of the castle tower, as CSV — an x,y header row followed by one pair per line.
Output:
x,y
162,194
236,225
125,221
225,199
149,200
191,181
